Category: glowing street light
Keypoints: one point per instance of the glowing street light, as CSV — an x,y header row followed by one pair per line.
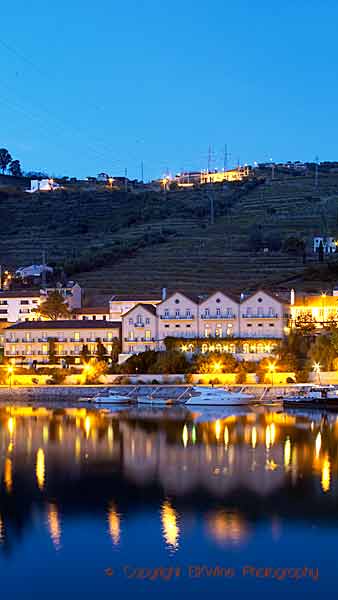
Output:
x,y
271,370
10,372
316,368
217,367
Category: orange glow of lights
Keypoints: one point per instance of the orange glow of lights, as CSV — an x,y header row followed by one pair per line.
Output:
x,y
318,444
11,425
54,525
254,437
326,474
218,429
170,527
40,468
8,476
87,426
114,522
226,528
226,436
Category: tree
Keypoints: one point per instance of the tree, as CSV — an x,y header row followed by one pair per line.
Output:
x,y
54,307
85,354
5,159
321,252
323,351
15,168
214,362
115,349
51,351
101,350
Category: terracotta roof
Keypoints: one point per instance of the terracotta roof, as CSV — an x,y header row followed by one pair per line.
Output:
x,y
70,324
148,307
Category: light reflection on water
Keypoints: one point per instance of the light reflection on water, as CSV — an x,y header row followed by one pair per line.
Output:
x,y
180,482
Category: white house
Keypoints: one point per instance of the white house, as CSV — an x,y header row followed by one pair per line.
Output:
x,y
178,317
43,185
121,304
262,315
140,329
219,316
329,244
19,305
33,271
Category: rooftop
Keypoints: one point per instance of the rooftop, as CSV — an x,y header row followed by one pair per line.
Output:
x,y
70,324
20,294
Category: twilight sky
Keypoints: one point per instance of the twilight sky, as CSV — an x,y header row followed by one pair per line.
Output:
x,y
100,86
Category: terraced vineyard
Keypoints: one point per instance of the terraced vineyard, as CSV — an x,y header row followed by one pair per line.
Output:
x,y
112,241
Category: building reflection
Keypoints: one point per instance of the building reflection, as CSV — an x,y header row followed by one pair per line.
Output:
x,y
170,528
114,522
54,525
226,528
79,458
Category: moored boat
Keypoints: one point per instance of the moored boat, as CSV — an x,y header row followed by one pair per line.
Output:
x,y
209,396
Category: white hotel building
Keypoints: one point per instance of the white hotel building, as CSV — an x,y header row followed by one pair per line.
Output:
x,y
249,327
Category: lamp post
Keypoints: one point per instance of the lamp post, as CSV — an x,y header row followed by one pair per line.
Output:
x,y
316,368
10,372
271,369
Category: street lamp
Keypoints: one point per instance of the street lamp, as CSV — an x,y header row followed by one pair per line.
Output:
x,y
316,368
10,371
271,369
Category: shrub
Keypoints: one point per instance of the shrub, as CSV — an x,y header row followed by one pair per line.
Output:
x,y
290,380
58,377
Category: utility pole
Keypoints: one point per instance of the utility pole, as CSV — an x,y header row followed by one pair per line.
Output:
x,y
209,158
225,163
142,173
316,171
212,207
125,180
43,269
0,277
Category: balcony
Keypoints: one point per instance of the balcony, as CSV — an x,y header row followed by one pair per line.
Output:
x,y
263,316
140,339
177,317
76,341
226,316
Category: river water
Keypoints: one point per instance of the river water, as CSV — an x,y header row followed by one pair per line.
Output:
x,y
151,503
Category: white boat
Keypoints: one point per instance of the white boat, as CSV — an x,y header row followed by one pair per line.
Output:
x,y
107,397
209,396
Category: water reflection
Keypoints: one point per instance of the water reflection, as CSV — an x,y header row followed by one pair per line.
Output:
x,y
114,521
219,471
171,531
54,525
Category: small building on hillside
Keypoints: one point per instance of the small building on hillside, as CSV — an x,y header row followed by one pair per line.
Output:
x,y
71,292
25,343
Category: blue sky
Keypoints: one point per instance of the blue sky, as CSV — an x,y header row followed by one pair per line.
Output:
x,y
89,87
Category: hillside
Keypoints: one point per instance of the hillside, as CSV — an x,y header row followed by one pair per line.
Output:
x,y
113,241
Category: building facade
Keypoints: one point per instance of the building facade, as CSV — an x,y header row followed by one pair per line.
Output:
x,y
31,341
249,328
140,329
